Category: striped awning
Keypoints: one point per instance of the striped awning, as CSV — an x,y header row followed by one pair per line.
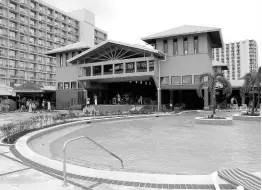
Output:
x,y
239,177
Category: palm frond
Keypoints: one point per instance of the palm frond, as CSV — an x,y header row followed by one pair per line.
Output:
x,y
227,88
199,89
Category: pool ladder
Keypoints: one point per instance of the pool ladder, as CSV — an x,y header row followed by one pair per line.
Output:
x,y
85,137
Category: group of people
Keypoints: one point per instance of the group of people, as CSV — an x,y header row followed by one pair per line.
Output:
x,y
32,105
88,100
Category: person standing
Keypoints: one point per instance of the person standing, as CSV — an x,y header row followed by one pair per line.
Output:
x,y
49,106
95,99
30,106
87,102
118,98
43,104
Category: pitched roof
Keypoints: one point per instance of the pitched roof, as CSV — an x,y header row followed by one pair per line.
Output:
x,y
140,47
183,30
69,47
28,87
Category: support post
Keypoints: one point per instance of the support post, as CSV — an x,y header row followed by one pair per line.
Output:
x,y
206,107
159,89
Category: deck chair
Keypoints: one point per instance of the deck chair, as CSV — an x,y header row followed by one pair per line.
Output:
x,y
237,177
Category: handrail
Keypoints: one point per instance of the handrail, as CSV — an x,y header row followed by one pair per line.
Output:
x,y
81,137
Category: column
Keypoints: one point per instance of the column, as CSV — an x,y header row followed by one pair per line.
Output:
x,y
135,67
102,69
159,98
172,96
113,68
180,96
206,107
147,66
91,68
124,67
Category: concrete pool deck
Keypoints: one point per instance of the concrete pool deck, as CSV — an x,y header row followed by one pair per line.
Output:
x,y
118,177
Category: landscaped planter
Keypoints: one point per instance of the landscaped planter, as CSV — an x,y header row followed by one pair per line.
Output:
x,y
246,117
203,120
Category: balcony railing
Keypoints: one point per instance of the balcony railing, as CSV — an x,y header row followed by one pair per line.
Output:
x,y
2,75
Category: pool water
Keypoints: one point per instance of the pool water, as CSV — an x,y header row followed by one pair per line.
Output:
x,y
171,145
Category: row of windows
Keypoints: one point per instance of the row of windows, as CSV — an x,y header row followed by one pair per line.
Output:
x,y
177,80
66,85
41,8
185,46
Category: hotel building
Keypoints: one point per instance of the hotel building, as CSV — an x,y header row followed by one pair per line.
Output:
x,y
29,28
241,57
169,72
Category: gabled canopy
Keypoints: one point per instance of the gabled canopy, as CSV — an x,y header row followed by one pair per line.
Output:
x,y
28,88
112,50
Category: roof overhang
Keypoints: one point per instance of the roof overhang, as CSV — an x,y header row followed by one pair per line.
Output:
x,y
219,64
215,37
70,47
96,50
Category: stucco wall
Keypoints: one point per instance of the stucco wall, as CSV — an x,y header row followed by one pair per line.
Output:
x,y
66,97
189,64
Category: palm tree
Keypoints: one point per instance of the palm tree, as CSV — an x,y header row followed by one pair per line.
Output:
x,y
211,83
252,80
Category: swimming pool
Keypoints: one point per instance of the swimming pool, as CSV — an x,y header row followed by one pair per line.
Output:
x,y
170,145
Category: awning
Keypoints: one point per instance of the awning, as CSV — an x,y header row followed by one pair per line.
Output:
x,y
28,88
6,90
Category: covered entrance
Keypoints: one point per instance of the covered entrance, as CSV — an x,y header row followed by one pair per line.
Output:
x,y
188,98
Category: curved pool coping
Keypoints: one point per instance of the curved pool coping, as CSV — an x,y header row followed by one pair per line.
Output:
x,y
22,147
203,120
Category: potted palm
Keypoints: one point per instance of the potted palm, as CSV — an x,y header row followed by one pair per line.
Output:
x,y
214,82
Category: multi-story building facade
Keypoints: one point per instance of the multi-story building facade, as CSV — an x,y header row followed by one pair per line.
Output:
x,y
170,72
29,28
241,57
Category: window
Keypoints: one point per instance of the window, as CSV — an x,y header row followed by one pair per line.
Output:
x,y
187,79
195,44
164,80
32,22
130,67
175,47
12,35
12,15
141,66
12,6
97,70
165,46
73,54
31,40
197,79
175,80
66,85
151,65
61,60
118,68
185,44
60,85
73,85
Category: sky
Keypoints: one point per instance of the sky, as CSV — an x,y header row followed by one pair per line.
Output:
x,y
130,20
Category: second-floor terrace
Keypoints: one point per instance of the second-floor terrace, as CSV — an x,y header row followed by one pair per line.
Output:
x,y
112,59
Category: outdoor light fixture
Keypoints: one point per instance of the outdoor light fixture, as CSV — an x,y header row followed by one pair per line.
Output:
x,y
149,83
136,81
141,82
146,83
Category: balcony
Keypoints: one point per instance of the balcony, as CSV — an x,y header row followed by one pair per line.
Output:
x,y
2,75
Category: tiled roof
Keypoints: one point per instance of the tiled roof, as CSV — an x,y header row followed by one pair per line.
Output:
x,y
69,47
181,30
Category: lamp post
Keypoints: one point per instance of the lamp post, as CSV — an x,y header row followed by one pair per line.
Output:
x,y
159,88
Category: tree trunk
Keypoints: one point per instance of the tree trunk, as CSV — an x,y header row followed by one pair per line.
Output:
x,y
214,102
258,98
253,103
